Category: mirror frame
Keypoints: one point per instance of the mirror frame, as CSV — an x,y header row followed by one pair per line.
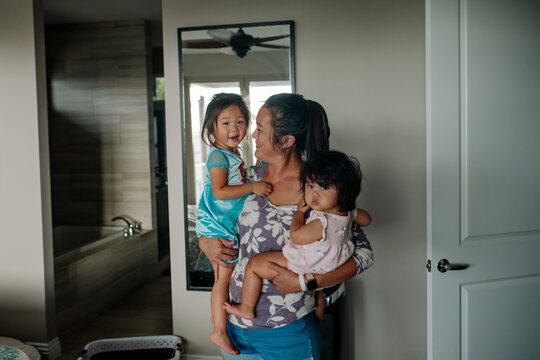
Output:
x,y
292,76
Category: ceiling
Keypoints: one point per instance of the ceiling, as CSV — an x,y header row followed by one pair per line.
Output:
x,y
79,11
83,11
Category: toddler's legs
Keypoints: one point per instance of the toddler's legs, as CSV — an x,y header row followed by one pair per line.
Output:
x,y
256,270
220,294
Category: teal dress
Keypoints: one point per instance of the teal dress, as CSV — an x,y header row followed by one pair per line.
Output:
x,y
217,218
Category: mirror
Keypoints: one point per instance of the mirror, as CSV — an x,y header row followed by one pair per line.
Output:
x,y
254,60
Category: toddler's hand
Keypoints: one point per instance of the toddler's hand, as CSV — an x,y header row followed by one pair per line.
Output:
x,y
302,206
262,188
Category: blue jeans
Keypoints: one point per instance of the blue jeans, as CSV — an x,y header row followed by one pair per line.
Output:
x,y
299,340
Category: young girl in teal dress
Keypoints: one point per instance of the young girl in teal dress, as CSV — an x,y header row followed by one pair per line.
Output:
x,y
225,125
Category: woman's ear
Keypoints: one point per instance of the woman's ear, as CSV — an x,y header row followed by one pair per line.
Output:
x,y
288,141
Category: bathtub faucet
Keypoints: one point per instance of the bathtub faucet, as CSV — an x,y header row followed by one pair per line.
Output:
x,y
130,229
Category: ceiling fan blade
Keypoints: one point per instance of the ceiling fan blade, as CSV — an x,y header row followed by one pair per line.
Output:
x,y
270,38
272,46
202,44
227,50
221,35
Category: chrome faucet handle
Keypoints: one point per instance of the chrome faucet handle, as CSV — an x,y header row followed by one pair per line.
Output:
x,y
129,230
137,226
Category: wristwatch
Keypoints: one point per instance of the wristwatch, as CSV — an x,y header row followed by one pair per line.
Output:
x,y
311,282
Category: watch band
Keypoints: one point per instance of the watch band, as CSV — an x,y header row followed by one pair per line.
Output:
x,y
302,282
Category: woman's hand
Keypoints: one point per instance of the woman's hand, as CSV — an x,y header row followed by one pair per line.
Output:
x,y
285,281
216,250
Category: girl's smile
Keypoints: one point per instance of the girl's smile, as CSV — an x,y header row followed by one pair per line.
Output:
x,y
230,128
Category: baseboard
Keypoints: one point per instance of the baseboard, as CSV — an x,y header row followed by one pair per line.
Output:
x,y
51,350
202,357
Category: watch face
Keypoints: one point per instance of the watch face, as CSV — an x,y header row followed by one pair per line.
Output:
x,y
311,285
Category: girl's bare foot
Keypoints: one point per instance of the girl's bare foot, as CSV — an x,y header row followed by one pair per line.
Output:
x,y
239,310
221,339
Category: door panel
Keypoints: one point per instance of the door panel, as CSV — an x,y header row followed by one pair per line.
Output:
x,y
503,308
500,109
483,131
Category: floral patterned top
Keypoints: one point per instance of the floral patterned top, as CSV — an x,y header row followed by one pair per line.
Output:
x,y
263,226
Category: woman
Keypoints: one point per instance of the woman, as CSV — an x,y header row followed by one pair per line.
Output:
x,y
289,129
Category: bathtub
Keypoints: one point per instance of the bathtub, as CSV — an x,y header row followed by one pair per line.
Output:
x,y
70,241
95,267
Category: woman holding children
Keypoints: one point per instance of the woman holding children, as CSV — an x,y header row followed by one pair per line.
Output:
x,y
289,130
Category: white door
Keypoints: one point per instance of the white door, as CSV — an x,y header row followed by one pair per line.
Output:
x,y
483,133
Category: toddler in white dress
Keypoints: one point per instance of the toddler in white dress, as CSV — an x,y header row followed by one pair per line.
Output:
x,y
331,182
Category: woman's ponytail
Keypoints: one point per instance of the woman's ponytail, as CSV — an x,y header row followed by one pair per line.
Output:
x,y
318,130
306,120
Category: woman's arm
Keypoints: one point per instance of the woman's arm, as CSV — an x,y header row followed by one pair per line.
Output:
x,y
286,281
223,191
362,217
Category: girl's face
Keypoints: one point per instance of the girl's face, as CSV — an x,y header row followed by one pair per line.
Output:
x,y
320,197
230,128
264,147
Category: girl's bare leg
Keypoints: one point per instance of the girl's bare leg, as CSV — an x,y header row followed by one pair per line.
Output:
x,y
220,294
256,271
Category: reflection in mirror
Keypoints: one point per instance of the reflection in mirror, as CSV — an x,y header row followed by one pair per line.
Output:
x,y
253,60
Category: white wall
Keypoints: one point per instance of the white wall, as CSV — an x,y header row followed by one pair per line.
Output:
x,y
26,258
364,61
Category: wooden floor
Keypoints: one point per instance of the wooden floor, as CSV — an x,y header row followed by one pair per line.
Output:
x,y
146,311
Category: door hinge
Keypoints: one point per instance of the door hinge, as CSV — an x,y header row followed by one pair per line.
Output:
x,y
428,265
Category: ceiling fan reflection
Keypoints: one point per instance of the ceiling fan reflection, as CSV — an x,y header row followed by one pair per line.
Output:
x,y
239,42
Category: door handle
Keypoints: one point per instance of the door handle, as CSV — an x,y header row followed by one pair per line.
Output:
x,y
444,265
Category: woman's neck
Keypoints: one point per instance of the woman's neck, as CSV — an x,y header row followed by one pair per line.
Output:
x,y
283,173
284,168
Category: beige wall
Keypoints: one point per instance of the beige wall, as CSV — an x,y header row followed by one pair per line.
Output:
x,y
100,123
26,260
364,61
267,63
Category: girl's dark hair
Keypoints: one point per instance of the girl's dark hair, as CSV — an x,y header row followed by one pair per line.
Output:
x,y
220,102
332,167
306,120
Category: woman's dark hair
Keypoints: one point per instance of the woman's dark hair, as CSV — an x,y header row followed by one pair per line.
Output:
x,y
219,103
332,167
306,120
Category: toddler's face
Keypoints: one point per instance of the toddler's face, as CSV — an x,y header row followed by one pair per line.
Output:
x,y
230,128
320,197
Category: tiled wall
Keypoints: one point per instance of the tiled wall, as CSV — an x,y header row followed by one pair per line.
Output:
x,y
100,123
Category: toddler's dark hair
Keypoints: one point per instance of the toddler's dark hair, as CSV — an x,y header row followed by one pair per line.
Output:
x,y
219,103
332,167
